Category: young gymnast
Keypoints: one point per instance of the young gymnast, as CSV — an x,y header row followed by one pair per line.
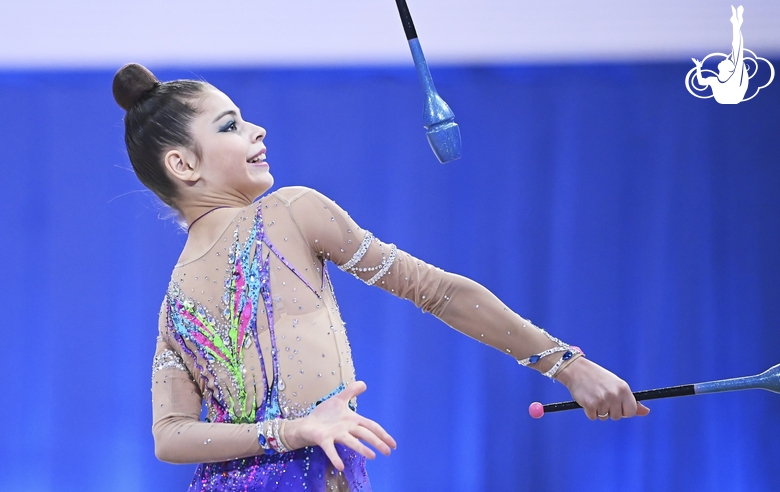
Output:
x,y
250,325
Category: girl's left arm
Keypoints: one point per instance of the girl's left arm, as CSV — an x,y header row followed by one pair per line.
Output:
x,y
462,303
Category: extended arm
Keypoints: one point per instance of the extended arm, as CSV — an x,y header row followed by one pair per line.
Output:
x,y
460,302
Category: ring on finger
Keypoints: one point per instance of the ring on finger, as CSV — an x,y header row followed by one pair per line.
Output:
x,y
602,417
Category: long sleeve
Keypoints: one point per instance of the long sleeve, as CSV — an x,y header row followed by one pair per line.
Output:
x,y
179,435
460,302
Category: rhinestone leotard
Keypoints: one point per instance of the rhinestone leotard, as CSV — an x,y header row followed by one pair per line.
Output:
x,y
251,329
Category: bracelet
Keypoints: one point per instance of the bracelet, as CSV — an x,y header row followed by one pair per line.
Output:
x,y
282,432
274,440
566,358
535,358
269,436
262,438
565,363
570,353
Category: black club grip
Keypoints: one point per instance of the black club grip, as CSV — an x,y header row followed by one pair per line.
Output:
x,y
670,392
406,19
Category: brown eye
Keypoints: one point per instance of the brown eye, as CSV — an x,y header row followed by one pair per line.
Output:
x,y
229,127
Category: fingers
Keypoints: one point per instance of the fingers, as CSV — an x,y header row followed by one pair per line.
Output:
x,y
609,402
357,446
367,436
594,408
629,404
602,394
333,456
615,405
333,422
377,430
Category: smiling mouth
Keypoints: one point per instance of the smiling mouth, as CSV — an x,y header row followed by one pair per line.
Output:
x,y
258,158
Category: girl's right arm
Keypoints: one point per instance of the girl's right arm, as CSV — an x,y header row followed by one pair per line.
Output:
x,y
181,437
179,434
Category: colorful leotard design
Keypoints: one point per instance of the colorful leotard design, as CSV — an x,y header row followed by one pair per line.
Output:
x,y
244,330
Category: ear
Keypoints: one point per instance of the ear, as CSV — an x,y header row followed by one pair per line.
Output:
x,y
182,165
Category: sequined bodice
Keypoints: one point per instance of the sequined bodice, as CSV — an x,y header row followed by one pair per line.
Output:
x,y
256,298
251,327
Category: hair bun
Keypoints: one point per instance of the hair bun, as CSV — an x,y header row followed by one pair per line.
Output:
x,y
131,82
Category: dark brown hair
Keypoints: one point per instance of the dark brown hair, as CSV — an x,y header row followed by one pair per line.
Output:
x,y
158,119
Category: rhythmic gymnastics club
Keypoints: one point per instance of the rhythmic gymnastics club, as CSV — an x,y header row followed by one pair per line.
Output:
x,y
438,119
767,380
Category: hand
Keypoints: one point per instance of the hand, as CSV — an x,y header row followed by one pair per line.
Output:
x,y
600,392
333,421
696,62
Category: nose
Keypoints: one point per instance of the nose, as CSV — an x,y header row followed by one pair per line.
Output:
x,y
259,134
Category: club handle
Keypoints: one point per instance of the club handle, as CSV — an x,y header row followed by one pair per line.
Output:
x,y
406,19
670,392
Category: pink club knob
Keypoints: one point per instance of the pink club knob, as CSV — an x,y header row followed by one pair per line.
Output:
x,y
536,410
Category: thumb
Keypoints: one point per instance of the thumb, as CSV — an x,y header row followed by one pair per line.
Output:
x,y
353,389
641,410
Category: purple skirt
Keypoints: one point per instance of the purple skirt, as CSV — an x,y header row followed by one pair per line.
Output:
x,y
298,471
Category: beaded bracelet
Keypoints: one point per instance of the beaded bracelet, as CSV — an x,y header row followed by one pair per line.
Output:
x,y
269,436
567,356
262,438
282,436
570,353
576,354
276,441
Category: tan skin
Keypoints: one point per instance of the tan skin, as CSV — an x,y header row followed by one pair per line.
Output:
x,y
224,175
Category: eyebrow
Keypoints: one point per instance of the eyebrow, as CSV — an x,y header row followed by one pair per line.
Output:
x,y
224,113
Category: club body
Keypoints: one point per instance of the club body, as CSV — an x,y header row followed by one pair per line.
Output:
x,y
438,119
768,380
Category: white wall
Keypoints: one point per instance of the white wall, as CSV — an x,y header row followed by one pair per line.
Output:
x,y
107,33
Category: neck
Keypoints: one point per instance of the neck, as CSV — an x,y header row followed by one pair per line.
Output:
x,y
192,210
189,228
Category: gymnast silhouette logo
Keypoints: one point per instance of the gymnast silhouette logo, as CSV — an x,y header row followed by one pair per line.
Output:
x,y
731,84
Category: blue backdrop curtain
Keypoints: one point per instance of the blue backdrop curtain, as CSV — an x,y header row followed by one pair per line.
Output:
x,y
603,202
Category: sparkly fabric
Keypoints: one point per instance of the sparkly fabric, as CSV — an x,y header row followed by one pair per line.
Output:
x,y
250,328
304,469
167,359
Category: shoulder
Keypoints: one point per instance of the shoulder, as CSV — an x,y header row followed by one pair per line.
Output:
x,y
291,194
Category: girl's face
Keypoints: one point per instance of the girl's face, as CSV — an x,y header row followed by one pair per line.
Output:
x,y
232,153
